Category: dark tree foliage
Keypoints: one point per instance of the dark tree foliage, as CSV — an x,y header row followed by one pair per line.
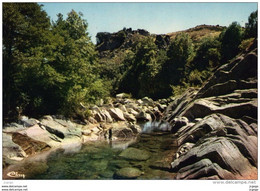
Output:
x,y
48,69
25,28
180,53
230,40
207,55
251,26
141,79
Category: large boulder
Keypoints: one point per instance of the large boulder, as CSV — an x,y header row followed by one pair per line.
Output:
x,y
61,128
122,132
11,150
127,173
143,116
29,145
117,114
40,134
129,117
108,117
220,151
135,154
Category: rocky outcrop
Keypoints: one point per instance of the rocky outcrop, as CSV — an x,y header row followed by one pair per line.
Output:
x,y
216,126
111,41
115,122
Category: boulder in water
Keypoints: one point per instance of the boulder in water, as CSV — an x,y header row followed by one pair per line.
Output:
x,y
135,154
127,173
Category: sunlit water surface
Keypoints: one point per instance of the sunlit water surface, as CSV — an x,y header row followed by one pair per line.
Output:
x,y
100,159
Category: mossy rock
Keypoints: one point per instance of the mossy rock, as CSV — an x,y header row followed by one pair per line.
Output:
x,y
135,154
127,173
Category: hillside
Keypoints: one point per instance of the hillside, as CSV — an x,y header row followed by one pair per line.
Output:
x,y
126,38
200,31
117,52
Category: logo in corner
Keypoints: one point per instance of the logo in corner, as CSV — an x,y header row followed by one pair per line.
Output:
x,y
14,174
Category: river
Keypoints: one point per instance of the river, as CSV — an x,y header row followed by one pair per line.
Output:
x,y
101,159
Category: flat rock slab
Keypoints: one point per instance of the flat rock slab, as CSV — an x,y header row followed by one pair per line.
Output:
x,y
117,114
10,149
29,145
39,134
127,173
135,154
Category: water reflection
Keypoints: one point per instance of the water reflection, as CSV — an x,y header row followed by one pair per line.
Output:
x,y
155,126
101,159
122,144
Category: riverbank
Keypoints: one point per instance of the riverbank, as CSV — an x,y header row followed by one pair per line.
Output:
x,y
115,121
213,130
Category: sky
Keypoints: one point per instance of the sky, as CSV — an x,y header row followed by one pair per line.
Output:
x,y
157,18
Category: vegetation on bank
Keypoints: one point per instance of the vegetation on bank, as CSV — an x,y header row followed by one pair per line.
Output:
x,y
53,67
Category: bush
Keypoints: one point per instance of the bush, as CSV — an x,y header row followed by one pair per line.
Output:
x,y
246,44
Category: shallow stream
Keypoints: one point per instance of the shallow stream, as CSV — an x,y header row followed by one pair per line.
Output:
x,y
101,159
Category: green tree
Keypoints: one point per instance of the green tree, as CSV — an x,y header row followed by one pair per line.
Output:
x,y
76,60
207,55
141,79
180,53
25,27
230,40
48,68
251,26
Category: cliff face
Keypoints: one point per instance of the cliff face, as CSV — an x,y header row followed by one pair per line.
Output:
x,y
125,38
216,127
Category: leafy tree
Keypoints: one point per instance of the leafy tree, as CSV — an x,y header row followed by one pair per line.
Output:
x,y
207,55
251,26
141,79
76,60
48,68
230,40
180,53
25,27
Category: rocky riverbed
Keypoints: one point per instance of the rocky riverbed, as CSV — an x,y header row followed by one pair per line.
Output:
x,y
211,132
117,121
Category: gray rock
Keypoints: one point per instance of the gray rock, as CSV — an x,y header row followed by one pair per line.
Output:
x,y
127,173
129,117
135,128
122,108
135,154
108,117
29,122
117,114
139,102
122,132
133,106
143,116
29,145
177,123
122,96
92,120
132,111
204,168
147,101
218,150
98,117
11,150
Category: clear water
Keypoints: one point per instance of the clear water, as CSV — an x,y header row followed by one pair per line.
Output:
x,y
100,159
